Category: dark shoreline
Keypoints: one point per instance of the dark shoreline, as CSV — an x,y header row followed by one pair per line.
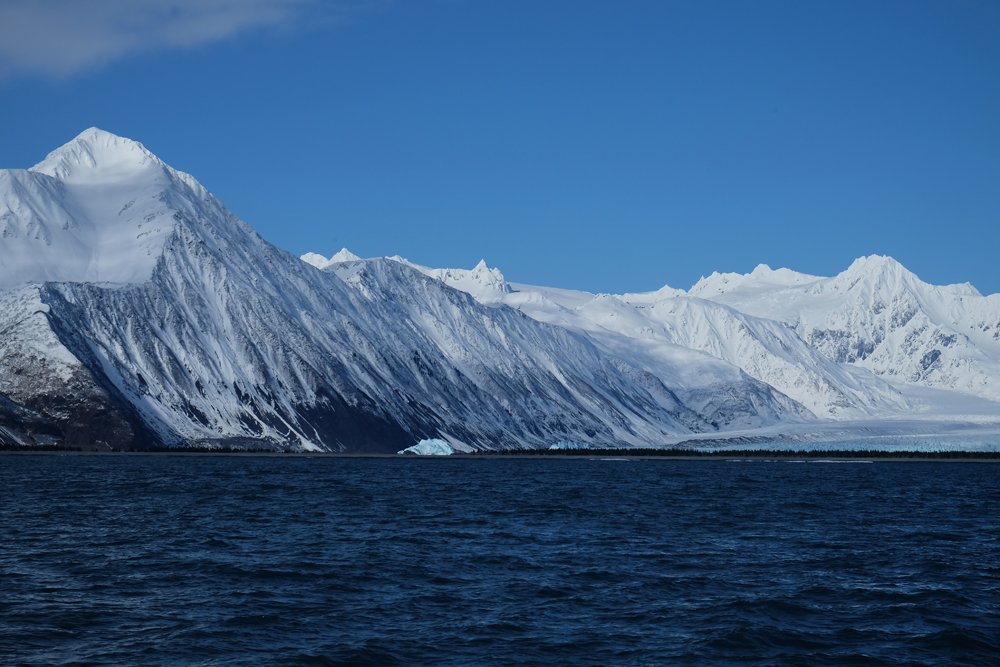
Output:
x,y
630,455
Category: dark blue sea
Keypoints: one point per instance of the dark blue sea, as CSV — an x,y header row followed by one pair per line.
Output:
x,y
232,560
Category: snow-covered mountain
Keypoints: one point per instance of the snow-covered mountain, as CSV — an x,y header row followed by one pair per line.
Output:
x,y
842,347
682,339
879,316
136,310
99,209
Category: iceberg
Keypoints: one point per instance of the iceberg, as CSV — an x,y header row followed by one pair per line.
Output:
x,y
430,447
563,444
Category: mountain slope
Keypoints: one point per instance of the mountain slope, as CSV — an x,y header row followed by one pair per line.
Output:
x,y
716,388
879,316
663,331
202,332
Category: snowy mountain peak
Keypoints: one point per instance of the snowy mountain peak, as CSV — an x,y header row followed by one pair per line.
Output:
x,y
344,255
887,271
321,262
715,284
875,264
482,282
665,292
875,274
98,209
97,156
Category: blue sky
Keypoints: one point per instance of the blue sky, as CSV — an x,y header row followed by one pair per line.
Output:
x,y
599,145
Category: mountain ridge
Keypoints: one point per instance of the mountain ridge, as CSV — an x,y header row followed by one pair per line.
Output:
x,y
224,339
137,310
946,336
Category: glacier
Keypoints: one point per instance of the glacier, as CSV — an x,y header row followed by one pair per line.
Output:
x,y
137,311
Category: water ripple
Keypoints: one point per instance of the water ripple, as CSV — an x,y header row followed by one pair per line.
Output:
x,y
250,561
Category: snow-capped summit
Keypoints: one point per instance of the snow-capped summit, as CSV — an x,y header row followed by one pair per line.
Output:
x,y
321,262
98,209
715,284
881,316
97,156
486,284
344,255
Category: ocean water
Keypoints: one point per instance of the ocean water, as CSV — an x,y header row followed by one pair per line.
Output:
x,y
231,560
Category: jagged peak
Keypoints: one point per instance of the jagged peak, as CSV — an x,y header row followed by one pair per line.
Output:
x,y
482,282
344,255
877,269
665,292
96,155
717,283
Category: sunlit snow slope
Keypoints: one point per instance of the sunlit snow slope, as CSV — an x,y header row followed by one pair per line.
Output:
x,y
99,209
879,316
846,348
696,346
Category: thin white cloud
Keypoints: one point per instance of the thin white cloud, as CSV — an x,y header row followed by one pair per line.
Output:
x,y
57,38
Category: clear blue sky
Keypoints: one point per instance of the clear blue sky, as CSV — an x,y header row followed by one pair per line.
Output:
x,y
601,145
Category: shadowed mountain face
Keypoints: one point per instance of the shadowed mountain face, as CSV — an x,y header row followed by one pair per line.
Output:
x,y
139,311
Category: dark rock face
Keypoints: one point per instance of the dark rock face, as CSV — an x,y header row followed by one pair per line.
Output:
x,y
40,404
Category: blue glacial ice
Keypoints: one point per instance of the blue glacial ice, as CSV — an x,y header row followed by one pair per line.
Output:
x,y
431,447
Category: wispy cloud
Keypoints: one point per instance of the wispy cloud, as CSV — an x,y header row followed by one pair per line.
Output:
x,y
57,38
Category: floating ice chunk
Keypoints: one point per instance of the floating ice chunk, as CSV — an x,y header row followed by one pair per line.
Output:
x,y
431,447
564,444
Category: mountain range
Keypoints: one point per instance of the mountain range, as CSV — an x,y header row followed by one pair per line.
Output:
x,y
137,311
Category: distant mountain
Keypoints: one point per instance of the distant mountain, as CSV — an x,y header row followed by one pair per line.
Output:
x,y
662,332
838,346
879,316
